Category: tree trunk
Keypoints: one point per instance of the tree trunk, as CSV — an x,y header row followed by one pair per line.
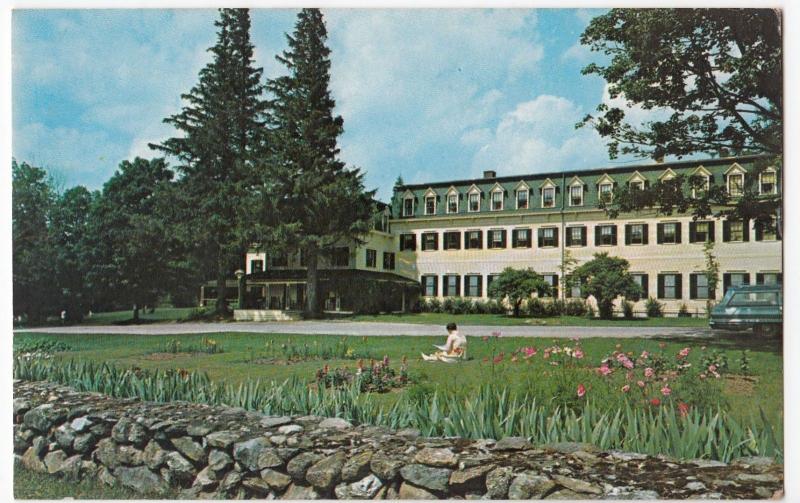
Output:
x,y
516,309
221,305
136,313
312,282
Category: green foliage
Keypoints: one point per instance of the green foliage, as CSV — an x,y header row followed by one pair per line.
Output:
x,y
744,362
627,309
715,357
328,349
575,307
607,278
517,285
207,345
711,272
42,345
683,310
654,308
378,377
545,308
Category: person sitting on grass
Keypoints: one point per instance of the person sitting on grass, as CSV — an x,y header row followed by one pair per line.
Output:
x,y
454,348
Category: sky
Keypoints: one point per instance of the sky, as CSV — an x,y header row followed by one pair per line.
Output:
x,y
429,95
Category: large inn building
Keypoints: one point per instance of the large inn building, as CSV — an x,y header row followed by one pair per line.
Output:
x,y
452,238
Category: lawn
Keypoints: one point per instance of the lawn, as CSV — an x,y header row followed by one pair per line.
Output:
x,y
503,320
261,356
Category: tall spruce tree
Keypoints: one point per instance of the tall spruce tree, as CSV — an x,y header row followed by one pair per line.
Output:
x,y
223,126
320,202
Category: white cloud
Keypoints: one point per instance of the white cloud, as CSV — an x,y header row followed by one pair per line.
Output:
x,y
635,114
577,52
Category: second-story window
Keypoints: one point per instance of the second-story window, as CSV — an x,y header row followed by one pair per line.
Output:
x,y
733,230
452,203
669,233
736,184
497,238
700,232
451,240
430,205
388,261
408,207
576,195
522,199
548,197
605,235
430,241
636,234
605,192
497,200
637,185
548,237
473,240
372,258
768,185
256,266
474,202
408,242
521,238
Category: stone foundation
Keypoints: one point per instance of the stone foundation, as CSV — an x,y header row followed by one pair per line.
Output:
x,y
208,452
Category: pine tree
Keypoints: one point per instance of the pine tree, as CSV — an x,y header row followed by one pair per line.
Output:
x,y
320,202
224,132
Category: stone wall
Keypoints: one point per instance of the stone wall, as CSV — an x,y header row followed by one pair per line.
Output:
x,y
191,450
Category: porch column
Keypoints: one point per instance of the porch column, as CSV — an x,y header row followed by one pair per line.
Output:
x,y
240,287
403,300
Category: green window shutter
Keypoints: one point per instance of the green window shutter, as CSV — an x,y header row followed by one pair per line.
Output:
x,y
726,232
555,287
759,232
660,233
597,235
692,232
759,278
726,282
458,287
660,291
711,231
503,245
480,240
746,278
678,226
627,234
614,235
555,236
583,236
693,286
436,286
645,286
480,286
513,239
568,238
539,237
746,228
466,240
645,232
679,286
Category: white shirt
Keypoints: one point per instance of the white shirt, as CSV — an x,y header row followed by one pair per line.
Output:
x,y
455,341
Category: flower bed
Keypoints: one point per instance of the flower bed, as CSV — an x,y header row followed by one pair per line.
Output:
x,y
376,377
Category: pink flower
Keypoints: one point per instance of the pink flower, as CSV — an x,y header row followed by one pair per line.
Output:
x,y
640,384
702,376
665,390
626,388
578,354
712,368
648,372
627,364
514,359
529,352
581,390
644,355
683,353
683,409
485,338
498,358
546,354
604,370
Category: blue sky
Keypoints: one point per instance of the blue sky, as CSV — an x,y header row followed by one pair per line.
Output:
x,y
426,94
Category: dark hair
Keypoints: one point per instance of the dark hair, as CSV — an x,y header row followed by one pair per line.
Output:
x,y
451,326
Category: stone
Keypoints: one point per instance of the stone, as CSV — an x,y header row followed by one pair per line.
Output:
x,y
411,492
384,466
277,439
105,476
289,429
257,486
757,461
529,485
512,444
695,486
221,439
335,423
627,456
498,481
470,479
22,438
44,417
707,463
21,406
408,433
84,442
435,479
199,429
298,492
153,455
30,460
357,467
54,460
256,454
757,477
180,469
763,492
219,460
276,480
324,474
65,435
141,480
577,485
570,447
286,453
297,467
127,431
106,453
587,458
230,481
190,449
437,457
566,494
206,478
80,424
271,422
72,467
365,488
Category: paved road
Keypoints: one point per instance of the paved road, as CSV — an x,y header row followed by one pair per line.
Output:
x,y
373,329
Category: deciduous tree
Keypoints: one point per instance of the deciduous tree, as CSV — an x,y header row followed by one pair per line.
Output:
x,y
517,285
606,278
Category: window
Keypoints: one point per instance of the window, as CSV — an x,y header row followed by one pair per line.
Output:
x,y
552,280
605,192
256,266
474,202
700,183
766,231
452,203
497,200
522,199
769,278
279,260
576,236
698,286
605,235
451,285
574,290
388,261
430,241
548,197
700,232
521,238
636,234
643,281
430,205
636,185
736,184
669,233
489,279
735,231
408,207
576,195
768,182
408,242
548,237
451,240
340,257
473,240
430,287
734,279
754,299
472,285
497,239
372,258
669,286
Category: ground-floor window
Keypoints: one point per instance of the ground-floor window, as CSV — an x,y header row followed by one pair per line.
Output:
x,y
340,256
769,278
452,288
698,286
642,280
372,258
574,290
734,279
388,261
472,285
669,286
430,286
256,266
489,279
552,280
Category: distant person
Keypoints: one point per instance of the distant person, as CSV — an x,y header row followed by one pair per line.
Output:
x,y
455,346
63,316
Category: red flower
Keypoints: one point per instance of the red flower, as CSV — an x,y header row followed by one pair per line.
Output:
x,y
581,390
498,358
683,409
655,402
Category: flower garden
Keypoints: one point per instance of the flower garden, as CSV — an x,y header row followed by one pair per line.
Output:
x,y
714,399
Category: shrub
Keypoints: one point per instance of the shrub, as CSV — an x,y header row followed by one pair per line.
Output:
x,y
683,311
447,305
495,307
480,307
575,307
433,305
557,307
654,308
627,309
461,306
536,308
41,345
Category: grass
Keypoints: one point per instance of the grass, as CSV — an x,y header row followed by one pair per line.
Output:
x,y
503,320
248,356
33,485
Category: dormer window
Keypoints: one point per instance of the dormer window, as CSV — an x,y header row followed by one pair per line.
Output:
x,y
474,202
576,193
637,185
452,203
605,190
768,182
548,197
497,200
700,181
408,207
522,199
430,205
736,184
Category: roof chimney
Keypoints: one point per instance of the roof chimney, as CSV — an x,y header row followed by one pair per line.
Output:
x,y
660,159
490,173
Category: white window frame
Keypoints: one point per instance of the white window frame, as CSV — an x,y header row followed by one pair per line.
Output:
x,y
580,189
515,237
674,286
697,287
473,192
428,197
741,188
527,198
552,232
674,233
641,242
572,234
492,233
601,192
730,231
411,213
553,201
491,199
449,211
774,184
